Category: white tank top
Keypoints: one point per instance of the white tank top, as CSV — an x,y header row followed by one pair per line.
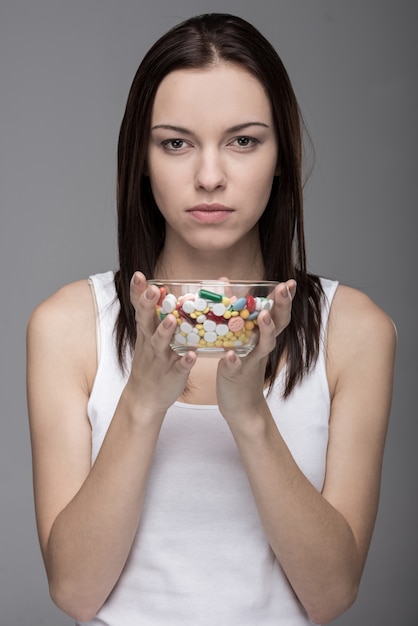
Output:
x,y
200,556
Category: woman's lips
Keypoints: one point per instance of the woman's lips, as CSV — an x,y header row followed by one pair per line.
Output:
x,y
210,213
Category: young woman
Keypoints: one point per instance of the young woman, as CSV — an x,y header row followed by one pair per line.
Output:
x,y
182,490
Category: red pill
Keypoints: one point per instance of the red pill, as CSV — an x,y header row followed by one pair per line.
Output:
x,y
251,303
163,293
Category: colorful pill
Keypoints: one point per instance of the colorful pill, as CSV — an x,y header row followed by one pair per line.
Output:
x,y
210,295
239,304
163,293
235,324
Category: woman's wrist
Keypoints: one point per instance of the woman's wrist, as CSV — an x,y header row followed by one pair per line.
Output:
x,y
140,408
252,423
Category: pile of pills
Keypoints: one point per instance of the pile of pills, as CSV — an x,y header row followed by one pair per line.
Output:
x,y
212,320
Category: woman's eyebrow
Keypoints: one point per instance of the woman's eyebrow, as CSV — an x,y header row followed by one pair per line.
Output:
x,y
177,129
238,127
185,131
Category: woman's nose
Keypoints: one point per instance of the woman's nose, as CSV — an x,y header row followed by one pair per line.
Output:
x,y
210,171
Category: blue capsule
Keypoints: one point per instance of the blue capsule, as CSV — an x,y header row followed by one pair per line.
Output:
x,y
239,304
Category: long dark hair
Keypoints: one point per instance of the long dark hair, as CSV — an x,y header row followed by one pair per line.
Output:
x,y
200,42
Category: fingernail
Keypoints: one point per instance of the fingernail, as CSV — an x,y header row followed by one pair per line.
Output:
x,y
149,294
167,322
135,279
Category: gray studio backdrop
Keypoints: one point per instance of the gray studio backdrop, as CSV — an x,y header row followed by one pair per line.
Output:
x,y
65,70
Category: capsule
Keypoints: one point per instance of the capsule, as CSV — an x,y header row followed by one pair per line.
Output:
x,y
210,295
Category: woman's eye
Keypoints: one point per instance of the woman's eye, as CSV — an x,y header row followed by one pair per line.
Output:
x,y
173,144
244,142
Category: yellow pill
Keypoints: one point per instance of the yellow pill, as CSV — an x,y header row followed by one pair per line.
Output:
x,y
176,313
193,315
249,325
202,332
229,335
227,315
219,343
226,301
244,314
234,313
228,344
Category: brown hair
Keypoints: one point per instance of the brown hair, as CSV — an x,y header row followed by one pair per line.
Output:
x,y
198,43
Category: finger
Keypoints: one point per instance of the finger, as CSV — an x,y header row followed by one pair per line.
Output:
x,y
267,334
163,333
185,364
137,287
291,287
230,364
272,323
282,309
144,299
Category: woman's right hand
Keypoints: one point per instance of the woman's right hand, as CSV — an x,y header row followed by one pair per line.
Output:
x,y
158,375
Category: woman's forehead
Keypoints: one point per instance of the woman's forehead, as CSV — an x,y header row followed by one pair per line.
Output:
x,y
219,92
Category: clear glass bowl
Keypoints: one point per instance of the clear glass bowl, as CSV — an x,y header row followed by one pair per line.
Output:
x,y
214,315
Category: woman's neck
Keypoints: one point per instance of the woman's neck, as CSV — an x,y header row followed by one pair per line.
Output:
x,y
243,262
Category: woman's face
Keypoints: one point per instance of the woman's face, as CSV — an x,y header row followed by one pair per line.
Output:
x,y
212,156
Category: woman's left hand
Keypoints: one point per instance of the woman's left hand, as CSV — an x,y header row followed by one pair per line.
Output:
x,y
240,382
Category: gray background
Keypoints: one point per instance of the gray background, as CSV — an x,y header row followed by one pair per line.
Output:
x,y
65,70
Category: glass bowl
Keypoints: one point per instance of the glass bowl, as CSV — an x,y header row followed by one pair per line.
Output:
x,y
214,315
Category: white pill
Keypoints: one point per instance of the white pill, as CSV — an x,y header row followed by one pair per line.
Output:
x,y
179,338
267,305
222,330
188,306
186,328
219,309
169,303
209,325
193,339
210,337
200,304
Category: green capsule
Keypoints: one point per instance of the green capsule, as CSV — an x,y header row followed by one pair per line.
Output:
x,y
209,295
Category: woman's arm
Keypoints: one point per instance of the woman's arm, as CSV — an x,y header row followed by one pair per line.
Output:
x,y
87,516
322,540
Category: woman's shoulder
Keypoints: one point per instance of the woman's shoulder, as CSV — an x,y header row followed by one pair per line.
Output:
x,y
63,327
359,331
353,310
70,306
